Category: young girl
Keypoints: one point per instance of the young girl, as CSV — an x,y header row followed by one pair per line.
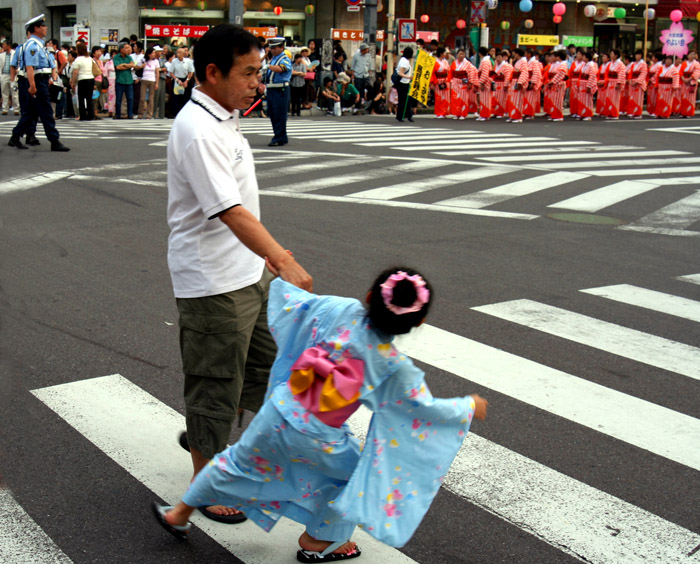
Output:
x,y
299,459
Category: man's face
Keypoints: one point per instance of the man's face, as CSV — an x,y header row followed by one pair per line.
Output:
x,y
41,30
277,49
237,90
6,47
180,54
572,50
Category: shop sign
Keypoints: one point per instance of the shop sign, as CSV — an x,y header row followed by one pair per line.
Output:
x,y
578,40
676,40
176,30
546,40
428,36
263,31
109,36
181,13
286,15
354,34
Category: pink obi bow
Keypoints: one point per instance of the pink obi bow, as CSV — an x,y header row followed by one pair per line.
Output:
x,y
328,390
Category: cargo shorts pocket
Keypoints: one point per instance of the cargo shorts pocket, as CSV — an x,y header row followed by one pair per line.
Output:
x,y
211,345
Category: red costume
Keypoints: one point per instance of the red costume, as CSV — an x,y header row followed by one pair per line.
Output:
x,y
462,77
587,86
669,83
531,100
485,70
442,87
601,103
574,89
691,72
519,79
613,91
653,87
556,89
501,78
637,84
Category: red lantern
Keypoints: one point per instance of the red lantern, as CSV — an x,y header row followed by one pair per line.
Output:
x,y
167,2
557,19
425,18
277,10
461,24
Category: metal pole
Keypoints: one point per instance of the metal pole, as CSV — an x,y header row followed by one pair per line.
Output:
x,y
646,29
390,46
236,9
413,9
370,35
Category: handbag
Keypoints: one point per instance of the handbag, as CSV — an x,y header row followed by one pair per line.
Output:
x,y
95,69
337,110
310,75
395,78
105,83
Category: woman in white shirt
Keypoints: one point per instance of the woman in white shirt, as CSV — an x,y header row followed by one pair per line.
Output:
x,y
405,71
84,81
149,82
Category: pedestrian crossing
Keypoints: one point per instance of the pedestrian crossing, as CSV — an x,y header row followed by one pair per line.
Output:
x,y
138,431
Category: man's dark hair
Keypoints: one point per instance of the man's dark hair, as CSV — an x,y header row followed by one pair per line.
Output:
x,y
483,51
133,37
124,40
561,55
420,42
220,46
7,42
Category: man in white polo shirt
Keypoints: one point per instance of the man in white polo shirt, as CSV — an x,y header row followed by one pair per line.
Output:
x,y
217,249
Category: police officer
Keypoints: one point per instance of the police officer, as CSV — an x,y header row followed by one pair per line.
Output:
x,y
277,75
39,67
15,73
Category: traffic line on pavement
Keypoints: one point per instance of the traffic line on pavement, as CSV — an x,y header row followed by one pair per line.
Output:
x,y
22,540
139,433
447,140
672,219
649,299
590,155
572,148
621,162
635,421
32,181
525,144
692,278
524,141
515,189
445,134
402,189
606,196
622,341
644,171
310,167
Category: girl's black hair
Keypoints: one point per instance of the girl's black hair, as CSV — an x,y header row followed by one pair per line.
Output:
x,y
404,296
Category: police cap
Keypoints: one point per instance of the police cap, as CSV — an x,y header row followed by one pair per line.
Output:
x,y
35,22
276,42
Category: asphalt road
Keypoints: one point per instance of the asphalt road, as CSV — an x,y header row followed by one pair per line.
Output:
x,y
590,451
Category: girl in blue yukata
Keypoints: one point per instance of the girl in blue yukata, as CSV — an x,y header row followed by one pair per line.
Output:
x,y
299,459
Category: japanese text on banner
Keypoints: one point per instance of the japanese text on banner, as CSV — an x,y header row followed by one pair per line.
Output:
x,y
420,84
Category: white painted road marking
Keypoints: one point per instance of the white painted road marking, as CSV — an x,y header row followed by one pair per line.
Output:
x,y
606,196
692,278
674,218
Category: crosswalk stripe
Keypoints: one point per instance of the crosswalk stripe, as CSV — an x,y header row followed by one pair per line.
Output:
x,y
621,162
505,192
678,181
606,196
572,148
590,156
635,421
430,143
622,341
22,541
644,171
138,432
403,136
517,142
32,181
309,167
649,299
418,186
692,278
337,180
674,218
526,143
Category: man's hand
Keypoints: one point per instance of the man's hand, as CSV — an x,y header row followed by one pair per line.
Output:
x,y
32,89
290,271
480,407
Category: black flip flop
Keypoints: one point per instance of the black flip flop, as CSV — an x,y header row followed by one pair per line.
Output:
x,y
328,555
179,532
228,519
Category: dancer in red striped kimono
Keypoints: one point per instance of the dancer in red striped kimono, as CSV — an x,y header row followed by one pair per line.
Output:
x,y
574,87
653,83
625,94
637,80
690,74
615,83
587,86
669,83
548,58
461,78
441,85
556,88
531,99
501,78
485,82
518,83
601,102
676,108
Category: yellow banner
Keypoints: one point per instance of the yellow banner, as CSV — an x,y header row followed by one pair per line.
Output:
x,y
547,40
420,85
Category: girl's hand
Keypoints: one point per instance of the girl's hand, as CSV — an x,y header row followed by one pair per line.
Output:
x,y
480,407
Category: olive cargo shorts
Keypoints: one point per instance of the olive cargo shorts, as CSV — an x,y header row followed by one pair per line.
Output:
x,y
227,352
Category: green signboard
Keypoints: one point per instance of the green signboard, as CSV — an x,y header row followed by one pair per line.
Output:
x,y
578,40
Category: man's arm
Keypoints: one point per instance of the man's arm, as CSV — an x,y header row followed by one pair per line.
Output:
x,y
253,235
30,79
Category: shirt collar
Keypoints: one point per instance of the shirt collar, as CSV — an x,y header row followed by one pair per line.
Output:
x,y
211,106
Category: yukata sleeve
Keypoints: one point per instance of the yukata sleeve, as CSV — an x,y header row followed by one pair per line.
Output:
x,y
412,440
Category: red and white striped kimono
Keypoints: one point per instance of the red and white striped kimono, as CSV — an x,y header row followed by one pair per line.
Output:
x,y
637,83
669,83
520,76
485,70
442,87
613,90
625,95
601,102
676,109
461,78
689,70
574,87
653,87
501,79
587,86
531,100
556,89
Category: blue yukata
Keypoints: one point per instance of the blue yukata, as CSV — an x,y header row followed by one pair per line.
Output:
x,y
299,459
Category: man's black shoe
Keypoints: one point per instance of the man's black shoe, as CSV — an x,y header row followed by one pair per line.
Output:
x,y
32,140
58,146
15,142
275,144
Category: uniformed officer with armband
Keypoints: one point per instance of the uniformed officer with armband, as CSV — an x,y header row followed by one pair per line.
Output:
x,y
39,68
15,73
277,74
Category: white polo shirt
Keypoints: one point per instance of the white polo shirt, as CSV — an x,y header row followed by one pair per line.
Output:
x,y
210,169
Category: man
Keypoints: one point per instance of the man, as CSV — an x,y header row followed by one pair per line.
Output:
x,y
7,86
360,65
518,82
137,72
217,249
277,74
34,87
689,75
182,71
485,82
124,81
159,101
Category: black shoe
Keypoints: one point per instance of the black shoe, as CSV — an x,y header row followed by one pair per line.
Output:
x,y
15,142
275,144
410,119
58,146
32,140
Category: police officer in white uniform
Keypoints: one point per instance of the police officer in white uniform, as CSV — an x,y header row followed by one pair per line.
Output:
x,y
34,99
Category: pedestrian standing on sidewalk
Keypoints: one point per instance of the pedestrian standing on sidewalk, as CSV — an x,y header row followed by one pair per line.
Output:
x,y
360,65
298,84
7,85
216,248
83,82
404,69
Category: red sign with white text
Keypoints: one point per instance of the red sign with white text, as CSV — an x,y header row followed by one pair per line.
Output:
x,y
354,34
176,30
